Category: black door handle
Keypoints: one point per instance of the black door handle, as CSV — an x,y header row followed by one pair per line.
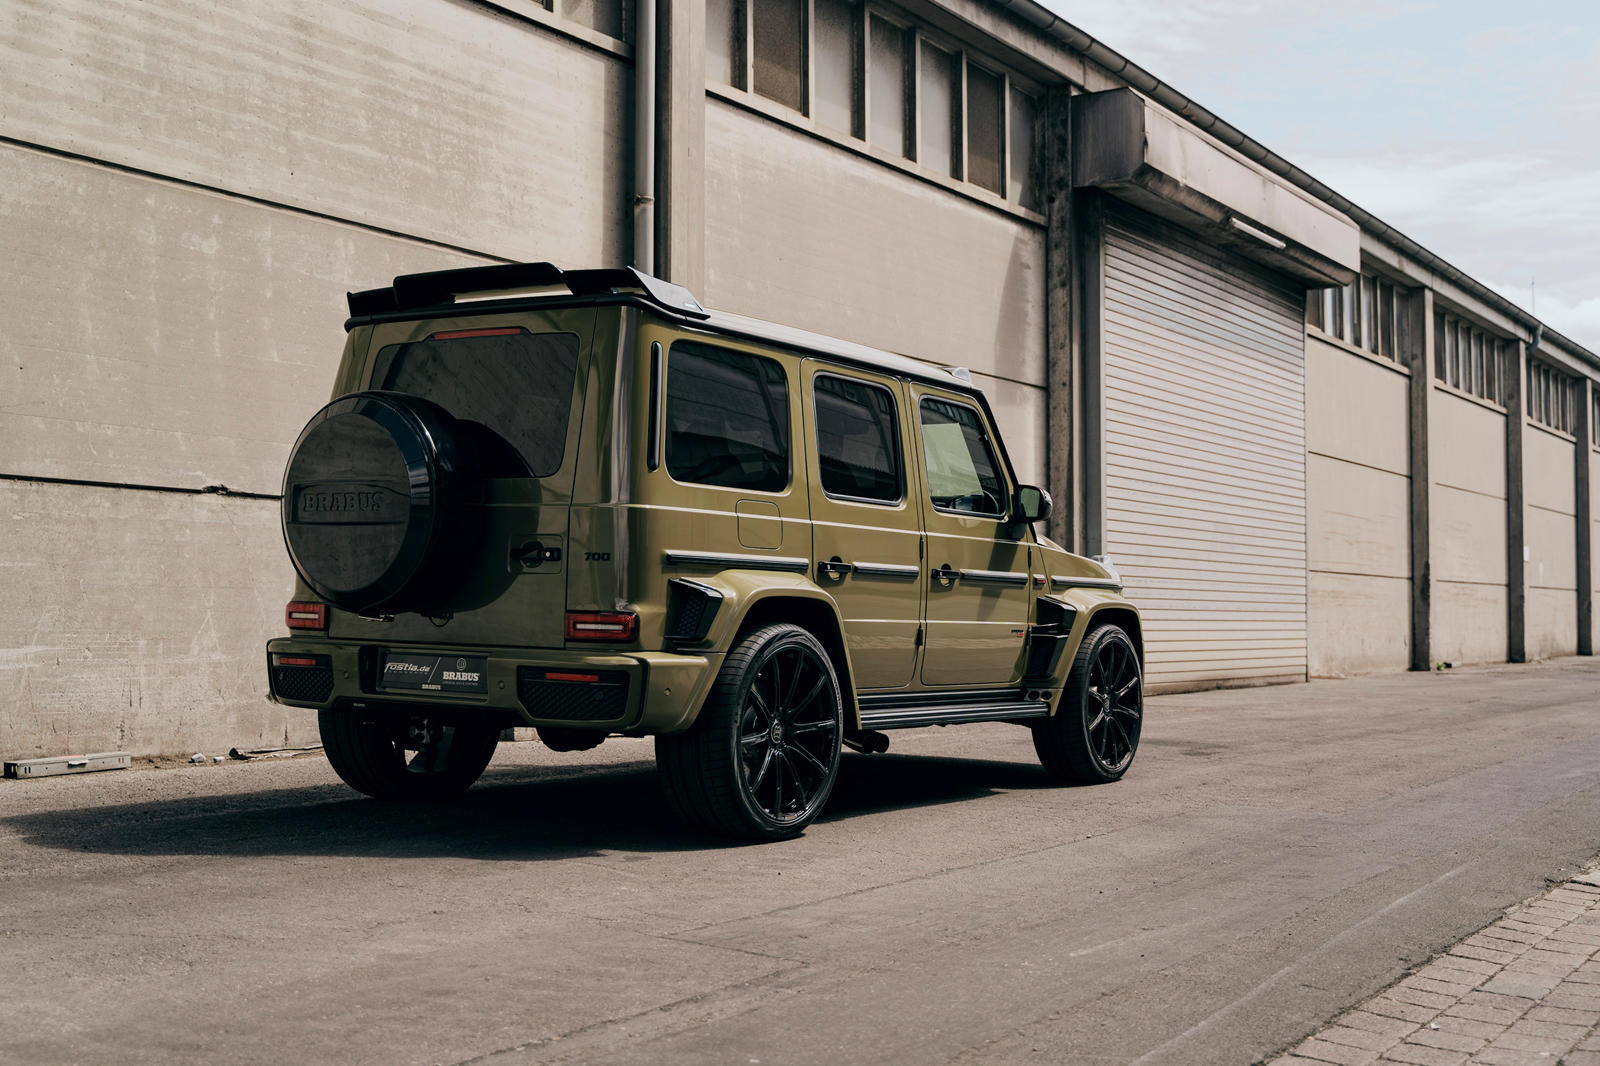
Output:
x,y
945,574
835,567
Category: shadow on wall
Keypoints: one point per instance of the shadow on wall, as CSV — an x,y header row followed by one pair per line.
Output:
x,y
523,814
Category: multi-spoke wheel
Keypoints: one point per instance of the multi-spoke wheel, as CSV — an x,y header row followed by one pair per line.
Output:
x,y
406,757
1094,733
762,756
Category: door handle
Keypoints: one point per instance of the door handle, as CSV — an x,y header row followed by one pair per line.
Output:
x,y
834,567
945,575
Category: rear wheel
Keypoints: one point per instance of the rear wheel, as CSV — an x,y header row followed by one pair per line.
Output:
x,y
1094,733
760,761
418,757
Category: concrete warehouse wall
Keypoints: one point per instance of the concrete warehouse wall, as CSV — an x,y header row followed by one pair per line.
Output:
x,y
1359,491
1550,535
1468,529
802,233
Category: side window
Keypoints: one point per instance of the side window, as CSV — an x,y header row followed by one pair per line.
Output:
x,y
858,448
727,419
963,474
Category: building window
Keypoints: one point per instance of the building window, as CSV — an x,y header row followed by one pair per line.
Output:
x,y
887,68
862,73
778,31
986,120
1467,358
834,47
609,17
1368,313
1550,396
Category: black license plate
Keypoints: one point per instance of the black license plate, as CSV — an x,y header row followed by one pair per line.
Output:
x,y
405,672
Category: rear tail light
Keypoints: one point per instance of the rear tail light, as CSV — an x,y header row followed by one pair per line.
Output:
x,y
562,675
602,625
294,660
462,334
299,615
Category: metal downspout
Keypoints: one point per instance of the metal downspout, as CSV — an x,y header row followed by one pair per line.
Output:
x,y
644,137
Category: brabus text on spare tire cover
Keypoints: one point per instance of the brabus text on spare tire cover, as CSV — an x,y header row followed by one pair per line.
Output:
x,y
350,503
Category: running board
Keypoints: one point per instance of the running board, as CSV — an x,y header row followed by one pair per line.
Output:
x,y
899,710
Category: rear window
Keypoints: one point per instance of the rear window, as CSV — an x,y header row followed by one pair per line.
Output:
x,y
512,388
727,419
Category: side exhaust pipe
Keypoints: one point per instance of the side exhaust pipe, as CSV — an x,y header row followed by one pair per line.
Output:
x,y
868,742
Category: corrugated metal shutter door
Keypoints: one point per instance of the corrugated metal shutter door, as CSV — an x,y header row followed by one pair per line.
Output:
x,y
1205,457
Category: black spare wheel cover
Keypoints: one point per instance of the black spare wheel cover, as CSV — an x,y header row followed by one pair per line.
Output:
x,y
382,502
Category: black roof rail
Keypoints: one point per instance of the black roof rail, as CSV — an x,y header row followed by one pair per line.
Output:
x,y
439,287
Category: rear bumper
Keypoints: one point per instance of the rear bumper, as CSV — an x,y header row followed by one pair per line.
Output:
x,y
664,689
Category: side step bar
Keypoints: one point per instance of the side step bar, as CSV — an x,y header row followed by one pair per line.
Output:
x,y
898,710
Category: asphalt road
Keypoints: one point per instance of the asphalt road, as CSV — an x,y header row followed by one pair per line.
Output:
x,y
1273,856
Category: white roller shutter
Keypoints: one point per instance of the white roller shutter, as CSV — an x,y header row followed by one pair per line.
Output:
x,y
1205,456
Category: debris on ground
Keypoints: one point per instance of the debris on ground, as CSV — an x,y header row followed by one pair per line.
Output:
x,y
271,753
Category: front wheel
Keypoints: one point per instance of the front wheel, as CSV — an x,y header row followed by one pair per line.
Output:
x,y
416,757
1092,737
760,760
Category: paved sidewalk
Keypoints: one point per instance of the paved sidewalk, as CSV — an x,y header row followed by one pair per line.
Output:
x,y
1523,992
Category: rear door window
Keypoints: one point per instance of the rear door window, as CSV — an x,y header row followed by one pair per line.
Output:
x,y
512,388
858,446
727,419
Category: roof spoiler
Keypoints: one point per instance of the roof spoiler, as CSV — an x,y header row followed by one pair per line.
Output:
x,y
441,287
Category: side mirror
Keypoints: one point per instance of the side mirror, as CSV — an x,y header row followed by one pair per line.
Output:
x,y
1033,504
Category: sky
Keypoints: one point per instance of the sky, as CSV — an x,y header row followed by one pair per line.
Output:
x,y
1471,127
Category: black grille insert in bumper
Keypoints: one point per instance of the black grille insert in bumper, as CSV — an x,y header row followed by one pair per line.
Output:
x,y
572,694
303,683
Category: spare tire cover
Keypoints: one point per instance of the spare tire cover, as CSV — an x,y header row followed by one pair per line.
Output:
x,y
379,498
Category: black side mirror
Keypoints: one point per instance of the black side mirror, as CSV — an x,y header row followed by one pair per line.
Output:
x,y
1032,505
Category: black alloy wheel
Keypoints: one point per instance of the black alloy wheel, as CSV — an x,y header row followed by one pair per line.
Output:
x,y
761,759
418,757
1094,733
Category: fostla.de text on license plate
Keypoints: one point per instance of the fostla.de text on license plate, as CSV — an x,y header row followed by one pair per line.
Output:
x,y
434,673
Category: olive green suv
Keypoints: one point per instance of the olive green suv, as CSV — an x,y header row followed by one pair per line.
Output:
x,y
579,501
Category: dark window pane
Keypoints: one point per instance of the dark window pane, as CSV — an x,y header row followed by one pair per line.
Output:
x,y
887,79
962,472
833,92
984,119
513,390
1023,169
727,419
779,32
857,446
938,89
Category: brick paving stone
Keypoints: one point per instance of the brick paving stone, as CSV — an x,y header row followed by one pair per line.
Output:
x,y
1542,1013
1525,985
1461,962
1343,1054
1375,1023
1295,1060
1540,966
1361,1038
1519,936
1435,1000
1553,1030
1555,1045
1468,951
1581,1058
1572,1001
1453,989
1394,1008
1455,1023
1446,1039
1590,1043
1504,1056
1423,1055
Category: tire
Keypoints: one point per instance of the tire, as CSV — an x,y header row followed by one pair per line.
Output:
x,y
382,502
1092,737
761,759
406,758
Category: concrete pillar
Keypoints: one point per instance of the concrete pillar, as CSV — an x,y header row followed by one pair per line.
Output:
x,y
681,143
1417,343
1516,566
1583,428
1090,253
1061,342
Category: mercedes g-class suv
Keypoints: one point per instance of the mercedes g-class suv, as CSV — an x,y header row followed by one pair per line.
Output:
x,y
579,501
